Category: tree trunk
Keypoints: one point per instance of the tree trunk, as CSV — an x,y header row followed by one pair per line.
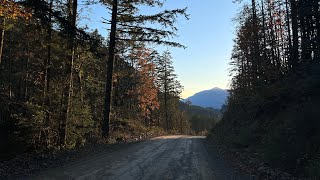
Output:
x,y
67,91
272,39
145,121
317,19
288,26
264,59
81,82
166,99
304,31
2,30
256,61
109,76
264,29
295,37
23,73
26,67
166,110
47,65
10,59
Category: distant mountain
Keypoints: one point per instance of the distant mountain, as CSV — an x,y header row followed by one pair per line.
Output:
x,y
214,98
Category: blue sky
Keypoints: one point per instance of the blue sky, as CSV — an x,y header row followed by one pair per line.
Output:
x,y
208,36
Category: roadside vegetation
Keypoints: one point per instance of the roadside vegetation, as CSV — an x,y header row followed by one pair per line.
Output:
x,y
273,108
63,86
55,91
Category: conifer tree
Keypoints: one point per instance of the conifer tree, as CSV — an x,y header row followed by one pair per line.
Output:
x,y
127,24
169,86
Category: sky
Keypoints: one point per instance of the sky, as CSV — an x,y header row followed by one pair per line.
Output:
x,y
208,35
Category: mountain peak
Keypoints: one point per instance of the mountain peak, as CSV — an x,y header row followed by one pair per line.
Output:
x,y
216,88
214,98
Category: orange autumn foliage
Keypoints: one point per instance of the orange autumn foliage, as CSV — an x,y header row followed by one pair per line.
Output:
x,y
12,10
147,92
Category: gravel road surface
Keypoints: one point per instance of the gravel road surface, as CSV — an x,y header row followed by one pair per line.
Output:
x,y
167,157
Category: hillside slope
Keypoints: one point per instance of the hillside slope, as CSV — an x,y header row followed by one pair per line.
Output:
x,y
213,98
280,127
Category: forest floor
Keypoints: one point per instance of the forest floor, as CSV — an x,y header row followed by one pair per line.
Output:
x,y
165,157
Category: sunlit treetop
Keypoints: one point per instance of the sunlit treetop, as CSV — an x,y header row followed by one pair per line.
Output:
x,y
13,10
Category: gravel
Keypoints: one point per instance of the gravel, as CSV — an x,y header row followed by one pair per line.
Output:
x,y
33,163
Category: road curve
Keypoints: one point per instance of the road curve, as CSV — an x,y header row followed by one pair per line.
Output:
x,y
167,157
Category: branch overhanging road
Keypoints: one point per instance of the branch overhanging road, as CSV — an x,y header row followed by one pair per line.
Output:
x,y
167,157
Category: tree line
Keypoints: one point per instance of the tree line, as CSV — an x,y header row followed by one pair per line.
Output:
x,y
275,85
62,85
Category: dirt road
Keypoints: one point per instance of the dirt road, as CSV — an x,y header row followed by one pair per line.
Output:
x,y
168,157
